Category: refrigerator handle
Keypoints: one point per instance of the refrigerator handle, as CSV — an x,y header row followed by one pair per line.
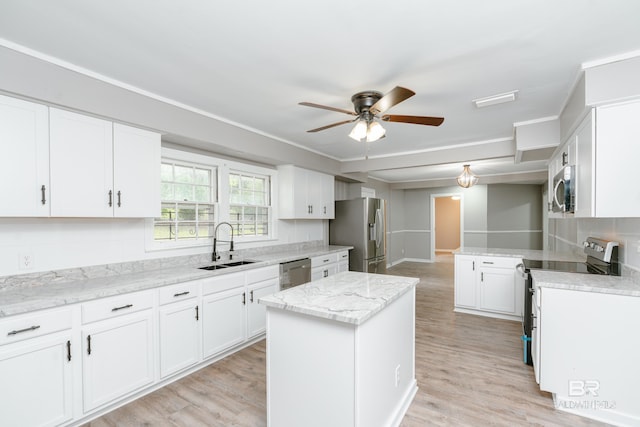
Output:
x,y
379,229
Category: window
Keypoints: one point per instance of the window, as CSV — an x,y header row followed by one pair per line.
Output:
x,y
188,194
249,204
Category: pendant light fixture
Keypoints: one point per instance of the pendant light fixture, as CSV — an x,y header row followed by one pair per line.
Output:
x,y
467,179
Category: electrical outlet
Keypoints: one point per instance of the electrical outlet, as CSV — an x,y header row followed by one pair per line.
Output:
x,y
397,375
25,261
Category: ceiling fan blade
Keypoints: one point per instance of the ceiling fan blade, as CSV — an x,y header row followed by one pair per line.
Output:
x,y
418,120
324,107
394,97
330,126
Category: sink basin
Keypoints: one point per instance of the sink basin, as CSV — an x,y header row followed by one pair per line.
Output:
x,y
213,267
236,263
227,264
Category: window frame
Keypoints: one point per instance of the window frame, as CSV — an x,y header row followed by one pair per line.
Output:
x,y
268,205
222,211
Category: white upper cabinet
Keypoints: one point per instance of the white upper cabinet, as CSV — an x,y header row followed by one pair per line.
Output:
x,y
136,172
616,160
101,169
305,194
81,165
604,151
24,158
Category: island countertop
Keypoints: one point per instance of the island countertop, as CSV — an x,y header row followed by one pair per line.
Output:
x,y
349,297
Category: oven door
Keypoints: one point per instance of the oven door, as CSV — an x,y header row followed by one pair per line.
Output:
x,y
535,336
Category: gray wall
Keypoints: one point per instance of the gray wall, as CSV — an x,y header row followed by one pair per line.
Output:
x,y
496,215
514,216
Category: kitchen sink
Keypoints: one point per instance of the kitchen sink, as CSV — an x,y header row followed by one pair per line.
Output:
x,y
213,267
227,265
237,263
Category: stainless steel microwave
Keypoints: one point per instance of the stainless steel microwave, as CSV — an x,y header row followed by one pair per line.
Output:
x,y
564,196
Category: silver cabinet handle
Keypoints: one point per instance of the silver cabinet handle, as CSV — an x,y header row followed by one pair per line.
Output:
x,y
119,199
487,262
179,294
197,313
473,265
19,331
251,296
44,193
110,198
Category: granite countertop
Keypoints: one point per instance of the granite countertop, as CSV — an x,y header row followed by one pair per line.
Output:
x,y
23,299
349,297
533,254
586,282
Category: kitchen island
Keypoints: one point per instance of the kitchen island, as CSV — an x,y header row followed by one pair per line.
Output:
x,y
341,351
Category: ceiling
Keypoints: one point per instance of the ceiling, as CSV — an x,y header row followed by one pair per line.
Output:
x,y
250,64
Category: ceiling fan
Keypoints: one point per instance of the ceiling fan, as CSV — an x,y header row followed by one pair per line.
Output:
x,y
368,106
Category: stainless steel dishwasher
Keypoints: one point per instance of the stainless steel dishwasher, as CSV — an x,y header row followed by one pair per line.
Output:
x,y
294,273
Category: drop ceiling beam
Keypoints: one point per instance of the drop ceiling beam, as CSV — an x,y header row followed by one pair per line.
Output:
x,y
514,178
481,151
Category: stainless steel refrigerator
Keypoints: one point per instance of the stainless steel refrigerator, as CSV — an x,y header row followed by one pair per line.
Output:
x,y
361,223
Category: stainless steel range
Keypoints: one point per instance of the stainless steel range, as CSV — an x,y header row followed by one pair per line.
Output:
x,y
602,258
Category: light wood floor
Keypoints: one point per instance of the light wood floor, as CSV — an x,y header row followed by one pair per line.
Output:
x,y
469,371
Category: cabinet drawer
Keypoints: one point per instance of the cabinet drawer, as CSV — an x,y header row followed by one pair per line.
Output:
x,y
317,261
18,328
264,273
116,306
498,262
343,256
179,292
222,283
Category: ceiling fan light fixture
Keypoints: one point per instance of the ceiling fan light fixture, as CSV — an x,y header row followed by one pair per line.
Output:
x,y
359,131
467,179
375,131
495,99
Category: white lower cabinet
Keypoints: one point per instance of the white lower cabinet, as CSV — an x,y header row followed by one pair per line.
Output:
x,y
489,286
36,370
179,336
231,313
257,313
77,362
327,265
497,290
118,352
223,315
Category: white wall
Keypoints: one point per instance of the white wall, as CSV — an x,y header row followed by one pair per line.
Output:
x,y
59,243
568,234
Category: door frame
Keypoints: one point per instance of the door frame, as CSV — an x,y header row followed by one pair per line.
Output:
x,y
432,253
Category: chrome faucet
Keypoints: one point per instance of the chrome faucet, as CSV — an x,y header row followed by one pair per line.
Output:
x,y
215,256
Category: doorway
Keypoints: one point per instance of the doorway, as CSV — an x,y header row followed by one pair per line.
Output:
x,y
447,231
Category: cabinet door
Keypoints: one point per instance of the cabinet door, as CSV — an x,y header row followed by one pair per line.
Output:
x,y
81,165
37,382
616,160
465,281
257,313
24,158
117,358
136,172
223,320
179,336
584,182
497,290
328,196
